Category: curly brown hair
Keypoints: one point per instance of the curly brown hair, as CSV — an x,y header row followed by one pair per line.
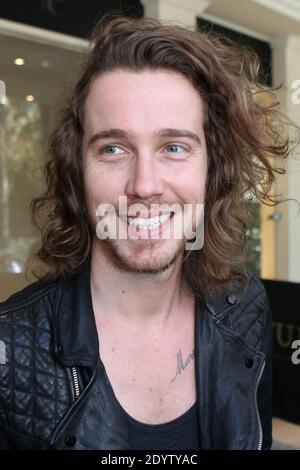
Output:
x,y
243,130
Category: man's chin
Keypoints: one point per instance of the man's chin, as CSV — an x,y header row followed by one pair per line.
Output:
x,y
145,258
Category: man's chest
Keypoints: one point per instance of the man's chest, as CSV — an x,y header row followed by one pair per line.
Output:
x,y
152,378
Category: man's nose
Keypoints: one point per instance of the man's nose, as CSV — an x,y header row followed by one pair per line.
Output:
x,y
145,178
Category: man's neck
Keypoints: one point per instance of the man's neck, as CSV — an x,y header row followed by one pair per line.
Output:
x,y
138,299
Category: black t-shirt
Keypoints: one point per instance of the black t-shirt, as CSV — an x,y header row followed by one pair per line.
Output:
x,y
181,433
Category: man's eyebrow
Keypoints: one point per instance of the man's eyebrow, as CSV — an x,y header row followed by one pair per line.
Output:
x,y
122,134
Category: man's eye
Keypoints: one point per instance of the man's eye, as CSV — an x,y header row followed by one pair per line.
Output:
x,y
103,150
108,149
175,145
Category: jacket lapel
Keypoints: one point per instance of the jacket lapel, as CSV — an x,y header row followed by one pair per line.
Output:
x,y
94,420
226,388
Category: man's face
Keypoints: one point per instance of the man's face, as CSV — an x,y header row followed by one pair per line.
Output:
x,y
143,166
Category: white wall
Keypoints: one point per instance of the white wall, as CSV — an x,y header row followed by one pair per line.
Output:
x,y
286,65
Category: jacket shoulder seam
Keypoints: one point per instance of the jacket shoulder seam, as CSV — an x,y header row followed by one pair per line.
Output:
x,y
15,303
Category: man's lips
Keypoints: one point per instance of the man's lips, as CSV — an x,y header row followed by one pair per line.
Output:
x,y
146,215
137,225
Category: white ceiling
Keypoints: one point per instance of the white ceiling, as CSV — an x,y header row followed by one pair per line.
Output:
x,y
258,15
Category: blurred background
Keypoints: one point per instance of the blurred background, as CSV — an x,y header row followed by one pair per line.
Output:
x,y
41,45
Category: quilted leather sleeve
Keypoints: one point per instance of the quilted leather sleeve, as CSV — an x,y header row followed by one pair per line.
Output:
x,y
35,390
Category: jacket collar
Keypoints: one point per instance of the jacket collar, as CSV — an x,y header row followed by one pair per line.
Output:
x,y
75,333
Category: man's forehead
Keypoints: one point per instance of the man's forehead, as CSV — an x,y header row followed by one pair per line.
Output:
x,y
153,110
153,87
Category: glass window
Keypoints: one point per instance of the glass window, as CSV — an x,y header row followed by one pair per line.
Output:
x,y
34,79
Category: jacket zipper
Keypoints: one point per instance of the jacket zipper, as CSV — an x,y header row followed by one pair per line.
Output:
x,y
75,382
260,440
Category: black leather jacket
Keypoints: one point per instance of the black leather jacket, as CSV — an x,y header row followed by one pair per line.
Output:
x,y
55,394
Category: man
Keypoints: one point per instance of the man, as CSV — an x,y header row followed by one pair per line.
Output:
x,y
139,336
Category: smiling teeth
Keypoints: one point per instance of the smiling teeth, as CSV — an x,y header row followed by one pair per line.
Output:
x,y
154,222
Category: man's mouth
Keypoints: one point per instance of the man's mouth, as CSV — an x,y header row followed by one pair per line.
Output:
x,y
148,223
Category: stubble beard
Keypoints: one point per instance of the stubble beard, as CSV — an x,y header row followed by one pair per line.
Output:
x,y
150,264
